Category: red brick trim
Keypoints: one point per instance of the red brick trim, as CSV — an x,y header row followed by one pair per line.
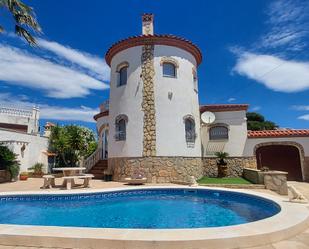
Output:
x,y
278,133
101,114
168,40
224,108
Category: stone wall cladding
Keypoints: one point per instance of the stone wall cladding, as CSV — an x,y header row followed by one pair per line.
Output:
x,y
148,103
235,165
276,181
157,169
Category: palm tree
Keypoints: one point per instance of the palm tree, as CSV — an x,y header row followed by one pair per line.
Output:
x,y
24,18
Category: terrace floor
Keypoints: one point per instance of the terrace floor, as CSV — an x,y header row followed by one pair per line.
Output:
x,y
301,241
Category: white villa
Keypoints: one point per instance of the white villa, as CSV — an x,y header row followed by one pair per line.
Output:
x,y
153,122
19,130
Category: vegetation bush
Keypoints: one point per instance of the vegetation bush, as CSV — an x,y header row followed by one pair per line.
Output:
x,y
257,122
71,143
37,168
8,161
222,164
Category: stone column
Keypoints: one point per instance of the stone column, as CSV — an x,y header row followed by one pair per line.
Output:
x,y
148,103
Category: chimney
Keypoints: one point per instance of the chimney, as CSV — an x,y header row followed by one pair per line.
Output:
x,y
147,20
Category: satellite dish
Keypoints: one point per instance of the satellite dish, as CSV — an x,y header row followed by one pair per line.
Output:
x,y
208,117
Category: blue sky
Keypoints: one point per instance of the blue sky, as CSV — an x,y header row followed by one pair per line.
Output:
x,y
254,52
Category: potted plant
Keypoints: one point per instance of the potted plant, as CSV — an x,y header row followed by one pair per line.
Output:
x,y
221,163
14,171
37,170
23,176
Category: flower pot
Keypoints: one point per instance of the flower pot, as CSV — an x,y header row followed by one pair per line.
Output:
x,y
23,177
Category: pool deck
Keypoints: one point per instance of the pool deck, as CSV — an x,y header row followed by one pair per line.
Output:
x,y
300,241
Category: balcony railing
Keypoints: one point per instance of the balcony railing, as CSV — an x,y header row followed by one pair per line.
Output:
x,y
15,111
190,136
120,136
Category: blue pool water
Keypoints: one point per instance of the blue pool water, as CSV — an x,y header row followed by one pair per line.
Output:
x,y
147,209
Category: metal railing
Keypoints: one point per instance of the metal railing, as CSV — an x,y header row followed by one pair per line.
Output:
x,y
190,136
120,136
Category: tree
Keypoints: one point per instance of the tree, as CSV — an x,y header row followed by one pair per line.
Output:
x,y
24,19
8,161
257,122
71,143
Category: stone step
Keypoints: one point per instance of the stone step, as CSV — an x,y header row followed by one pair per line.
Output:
x,y
96,171
99,167
98,176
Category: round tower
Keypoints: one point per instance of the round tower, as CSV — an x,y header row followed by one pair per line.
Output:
x,y
154,118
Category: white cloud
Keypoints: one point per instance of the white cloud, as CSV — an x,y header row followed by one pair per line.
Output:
x,y
19,67
81,113
288,22
301,107
273,72
94,63
231,100
255,108
65,113
304,117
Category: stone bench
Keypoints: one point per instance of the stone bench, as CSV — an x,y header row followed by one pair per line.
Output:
x,y
69,181
49,181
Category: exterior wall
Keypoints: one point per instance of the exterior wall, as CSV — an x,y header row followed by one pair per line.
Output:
x,y
34,147
252,142
237,125
235,165
302,143
30,117
128,99
171,111
157,169
102,124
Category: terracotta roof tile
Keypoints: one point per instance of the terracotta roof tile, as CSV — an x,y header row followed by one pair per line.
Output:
x,y
101,114
139,40
278,133
224,107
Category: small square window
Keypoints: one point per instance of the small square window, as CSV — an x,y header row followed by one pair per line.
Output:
x,y
169,70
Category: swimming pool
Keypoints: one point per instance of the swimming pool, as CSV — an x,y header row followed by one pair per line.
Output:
x,y
139,209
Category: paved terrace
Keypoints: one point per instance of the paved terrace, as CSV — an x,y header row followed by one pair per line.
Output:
x,y
301,241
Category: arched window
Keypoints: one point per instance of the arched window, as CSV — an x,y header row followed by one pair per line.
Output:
x,y
120,126
218,133
169,70
123,76
122,70
190,130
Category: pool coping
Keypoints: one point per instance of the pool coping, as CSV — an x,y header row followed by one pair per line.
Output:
x,y
291,220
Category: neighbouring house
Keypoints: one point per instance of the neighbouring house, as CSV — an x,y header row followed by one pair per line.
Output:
x,y
152,123
19,131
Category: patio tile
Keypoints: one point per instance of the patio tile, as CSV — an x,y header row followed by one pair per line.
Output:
x,y
303,237
290,244
262,247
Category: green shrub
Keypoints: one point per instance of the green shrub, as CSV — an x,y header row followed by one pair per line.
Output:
x,y
14,170
8,161
37,168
